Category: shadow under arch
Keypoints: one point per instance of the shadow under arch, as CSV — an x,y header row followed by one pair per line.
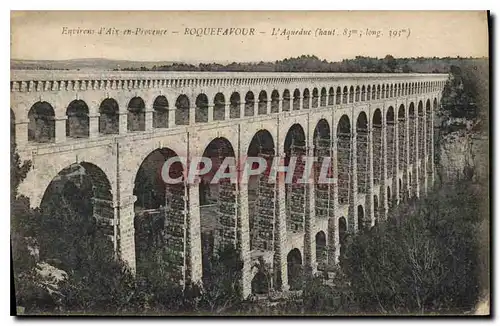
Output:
x,y
217,203
295,151
261,194
377,147
41,123
344,159
295,269
77,123
160,215
321,250
322,150
77,218
362,162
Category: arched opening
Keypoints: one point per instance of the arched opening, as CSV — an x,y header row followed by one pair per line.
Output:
x,y
332,235
275,102
201,112
160,112
363,93
401,190
295,274
363,223
234,107
383,91
342,236
357,94
262,107
260,283
389,197
306,99
391,91
378,92
363,170
402,137
345,94
421,143
249,104
76,223
377,147
261,195
321,252
391,142
77,123
331,96
323,97
376,209
182,110
429,131
344,159
338,96
295,150
109,117
411,114
402,141
368,93
296,100
322,151
41,123
286,100
387,89
410,182
351,94
412,144
136,116
12,126
217,198
315,96
159,215
219,107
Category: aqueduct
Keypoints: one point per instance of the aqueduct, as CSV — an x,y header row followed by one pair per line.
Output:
x,y
117,128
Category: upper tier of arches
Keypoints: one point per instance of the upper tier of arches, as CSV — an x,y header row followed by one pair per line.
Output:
x,y
155,111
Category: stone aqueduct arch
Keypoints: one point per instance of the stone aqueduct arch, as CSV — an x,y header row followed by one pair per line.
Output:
x,y
128,118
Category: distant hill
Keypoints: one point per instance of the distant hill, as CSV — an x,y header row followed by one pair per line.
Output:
x,y
304,63
84,64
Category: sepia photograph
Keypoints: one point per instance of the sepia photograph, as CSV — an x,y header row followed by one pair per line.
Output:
x,y
250,163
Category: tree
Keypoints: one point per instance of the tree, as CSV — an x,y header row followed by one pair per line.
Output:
x,y
424,260
320,298
390,62
28,292
221,282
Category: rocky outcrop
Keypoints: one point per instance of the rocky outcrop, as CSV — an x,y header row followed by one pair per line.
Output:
x,y
463,153
454,156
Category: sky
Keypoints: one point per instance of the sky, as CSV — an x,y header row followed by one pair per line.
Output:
x,y
57,35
